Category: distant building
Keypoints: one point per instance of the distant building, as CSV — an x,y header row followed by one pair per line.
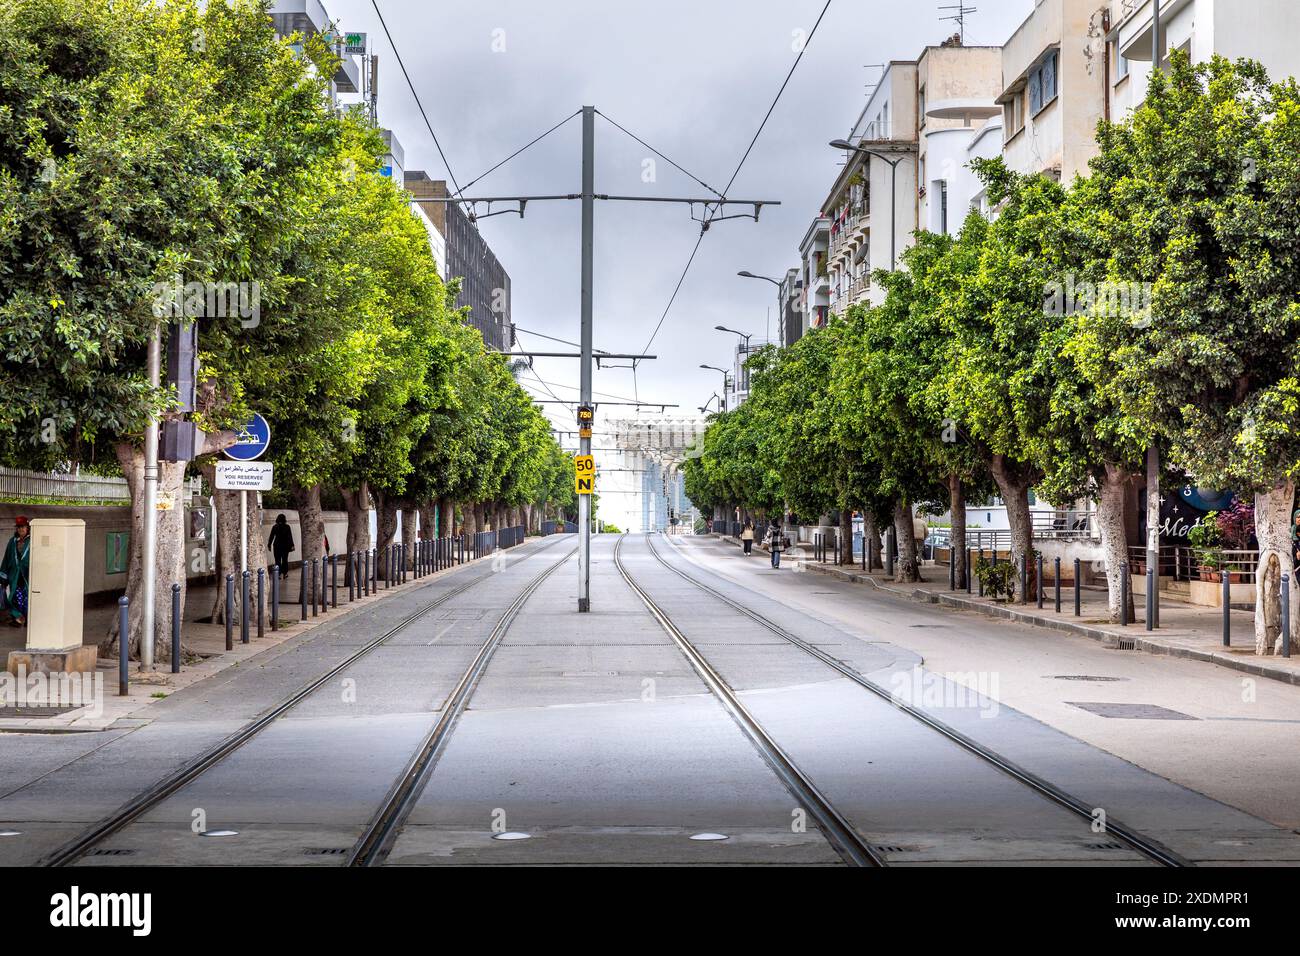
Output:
x,y
484,283
790,315
816,297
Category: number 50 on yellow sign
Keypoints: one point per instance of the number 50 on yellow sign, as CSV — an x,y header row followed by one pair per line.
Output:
x,y
584,474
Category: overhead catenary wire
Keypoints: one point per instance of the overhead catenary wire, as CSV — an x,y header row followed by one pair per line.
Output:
x,y
533,142
670,162
411,86
739,166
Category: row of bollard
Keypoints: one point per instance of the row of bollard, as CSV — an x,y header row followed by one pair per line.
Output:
x,y
975,557
319,585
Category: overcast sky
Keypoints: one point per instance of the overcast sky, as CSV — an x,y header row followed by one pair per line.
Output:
x,y
691,78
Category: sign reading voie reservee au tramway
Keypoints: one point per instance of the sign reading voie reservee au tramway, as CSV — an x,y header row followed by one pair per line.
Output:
x,y
251,440
245,475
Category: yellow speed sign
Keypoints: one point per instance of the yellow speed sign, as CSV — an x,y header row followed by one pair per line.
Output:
x,y
584,474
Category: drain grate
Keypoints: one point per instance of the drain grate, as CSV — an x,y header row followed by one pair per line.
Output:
x,y
888,848
325,851
1124,644
1085,677
1130,711
110,851
1103,846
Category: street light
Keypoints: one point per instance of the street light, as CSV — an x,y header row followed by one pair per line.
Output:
x,y
750,275
722,402
704,409
780,304
743,335
893,192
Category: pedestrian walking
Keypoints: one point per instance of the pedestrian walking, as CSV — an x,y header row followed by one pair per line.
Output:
x,y
14,570
281,543
775,542
747,538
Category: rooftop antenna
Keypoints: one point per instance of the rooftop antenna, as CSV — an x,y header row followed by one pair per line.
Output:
x,y
958,16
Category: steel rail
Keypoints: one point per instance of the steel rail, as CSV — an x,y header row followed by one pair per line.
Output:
x,y
841,835
145,801
1151,849
375,843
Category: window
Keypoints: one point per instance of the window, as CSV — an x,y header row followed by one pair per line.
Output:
x,y
1121,62
920,108
1042,84
943,207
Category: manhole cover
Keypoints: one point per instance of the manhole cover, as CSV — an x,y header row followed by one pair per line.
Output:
x,y
1131,711
1085,677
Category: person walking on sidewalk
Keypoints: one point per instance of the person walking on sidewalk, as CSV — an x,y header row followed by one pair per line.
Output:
x,y
747,538
14,573
774,542
281,543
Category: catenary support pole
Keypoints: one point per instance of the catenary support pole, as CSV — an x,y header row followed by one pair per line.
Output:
x,y
150,556
584,380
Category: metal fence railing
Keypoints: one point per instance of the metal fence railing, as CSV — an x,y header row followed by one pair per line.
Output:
x,y
1184,563
34,487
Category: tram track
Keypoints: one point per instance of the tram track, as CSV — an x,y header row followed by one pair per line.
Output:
x,y
1150,849
375,843
851,846
91,837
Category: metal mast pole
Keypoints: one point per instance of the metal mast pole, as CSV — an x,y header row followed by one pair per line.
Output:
x,y
150,558
584,384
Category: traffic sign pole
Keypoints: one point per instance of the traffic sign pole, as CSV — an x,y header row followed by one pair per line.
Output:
x,y
588,247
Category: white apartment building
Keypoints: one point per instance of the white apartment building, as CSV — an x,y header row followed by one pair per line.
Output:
x,y
1263,30
915,139
815,300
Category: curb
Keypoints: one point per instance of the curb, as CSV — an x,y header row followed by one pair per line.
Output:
x,y
1108,638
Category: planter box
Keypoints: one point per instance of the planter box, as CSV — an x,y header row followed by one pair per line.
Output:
x,y
1210,593
1234,577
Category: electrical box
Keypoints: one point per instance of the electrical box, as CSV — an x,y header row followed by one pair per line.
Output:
x,y
183,364
58,586
177,441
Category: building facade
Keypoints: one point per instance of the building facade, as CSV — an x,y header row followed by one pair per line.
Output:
x,y
484,282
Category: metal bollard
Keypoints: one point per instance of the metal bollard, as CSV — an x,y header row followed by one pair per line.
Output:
x,y
315,610
1286,614
352,576
334,580
1040,582
365,580
889,552
324,587
261,603
123,642
1123,595
968,571
1151,599
176,628
302,587
245,581
1056,572
981,594
1227,608
952,567
1078,581
230,611
1024,579
275,600
374,569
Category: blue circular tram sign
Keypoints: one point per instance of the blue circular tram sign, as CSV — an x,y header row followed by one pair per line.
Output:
x,y
251,440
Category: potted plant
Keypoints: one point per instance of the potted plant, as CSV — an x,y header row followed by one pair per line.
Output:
x,y
1205,540
997,580
1236,532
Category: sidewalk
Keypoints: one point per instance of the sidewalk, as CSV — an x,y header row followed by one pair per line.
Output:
x,y
1188,631
201,638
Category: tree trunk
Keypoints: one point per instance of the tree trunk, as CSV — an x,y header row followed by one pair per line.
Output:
x,y
1014,487
226,505
446,517
906,570
957,539
311,523
1111,507
846,537
386,530
409,513
469,519
357,503
169,566
871,538
1273,531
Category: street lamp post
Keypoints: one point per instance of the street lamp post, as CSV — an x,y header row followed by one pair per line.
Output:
x,y
893,192
722,401
780,305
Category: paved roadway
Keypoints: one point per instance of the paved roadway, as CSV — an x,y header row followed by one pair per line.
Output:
x,y
594,736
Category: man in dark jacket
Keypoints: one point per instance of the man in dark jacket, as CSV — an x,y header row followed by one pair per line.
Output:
x,y
281,543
